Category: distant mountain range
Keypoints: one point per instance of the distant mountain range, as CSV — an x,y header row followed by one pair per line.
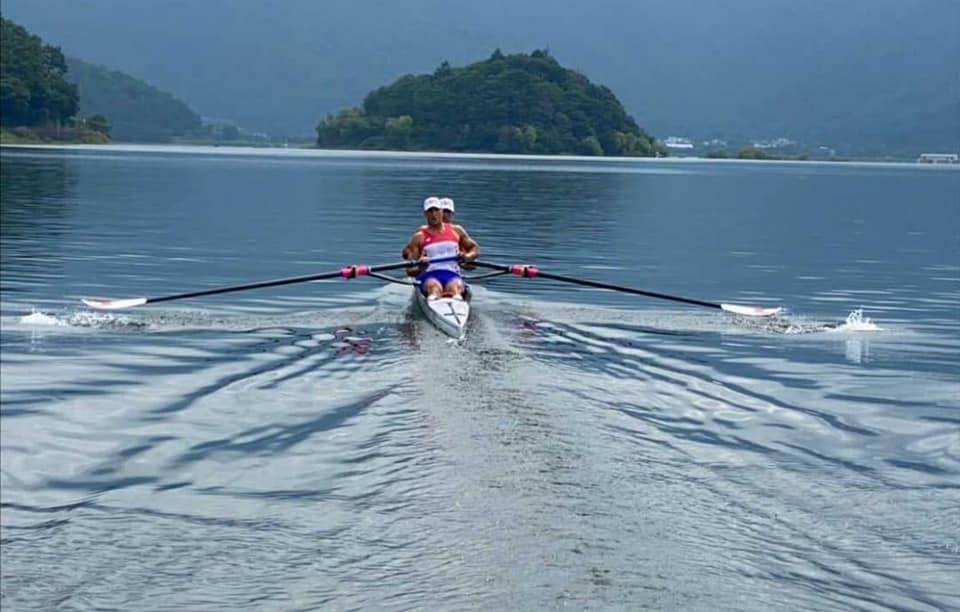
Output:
x,y
136,111
859,75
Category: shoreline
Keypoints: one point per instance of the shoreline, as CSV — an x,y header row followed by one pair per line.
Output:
x,y
315,153
76,137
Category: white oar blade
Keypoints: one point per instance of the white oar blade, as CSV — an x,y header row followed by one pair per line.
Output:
x,y
108,304
751,311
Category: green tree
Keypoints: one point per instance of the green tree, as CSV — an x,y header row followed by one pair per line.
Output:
x,y
752,153
98,123
14,101
349,127
397,131
230,132
33,90
590,146
528,136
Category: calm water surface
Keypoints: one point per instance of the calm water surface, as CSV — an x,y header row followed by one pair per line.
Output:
x,y
320,446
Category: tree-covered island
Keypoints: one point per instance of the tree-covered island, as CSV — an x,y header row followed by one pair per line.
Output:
x,y
520,103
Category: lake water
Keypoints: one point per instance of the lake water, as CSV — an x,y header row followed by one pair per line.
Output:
x,y
321,446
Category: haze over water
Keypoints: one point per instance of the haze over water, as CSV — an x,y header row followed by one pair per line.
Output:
x,y
320,446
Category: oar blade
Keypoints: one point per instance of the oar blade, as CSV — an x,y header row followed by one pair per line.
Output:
x,y
108,304
752,311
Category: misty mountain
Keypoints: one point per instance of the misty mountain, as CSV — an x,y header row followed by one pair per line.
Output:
x,y
137,111
858,74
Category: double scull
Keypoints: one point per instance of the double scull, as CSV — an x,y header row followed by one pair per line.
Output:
x,y
448,314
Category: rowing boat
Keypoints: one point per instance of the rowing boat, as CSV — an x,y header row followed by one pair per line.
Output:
x,y
448,314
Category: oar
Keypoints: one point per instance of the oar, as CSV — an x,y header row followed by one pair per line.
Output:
x,y
532,272
346,272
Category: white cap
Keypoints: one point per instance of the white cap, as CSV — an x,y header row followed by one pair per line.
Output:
x,y
447,204
432,202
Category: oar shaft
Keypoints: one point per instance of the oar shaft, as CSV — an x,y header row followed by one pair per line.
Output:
x,y
258,285
346,272
653,294
532,272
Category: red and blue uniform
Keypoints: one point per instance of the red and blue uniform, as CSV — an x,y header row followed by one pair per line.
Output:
x,y
445,243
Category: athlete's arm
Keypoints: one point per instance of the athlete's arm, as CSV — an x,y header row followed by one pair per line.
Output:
x,y
413,251
462,231
469,249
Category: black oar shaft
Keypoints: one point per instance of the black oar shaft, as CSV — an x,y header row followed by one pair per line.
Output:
x,y
537,273
347,272
599,285
259,285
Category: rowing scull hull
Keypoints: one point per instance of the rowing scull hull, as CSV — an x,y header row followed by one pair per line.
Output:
x,y
449,315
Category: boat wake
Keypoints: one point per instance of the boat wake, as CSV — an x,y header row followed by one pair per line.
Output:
x,y
81,319
168,320
391,307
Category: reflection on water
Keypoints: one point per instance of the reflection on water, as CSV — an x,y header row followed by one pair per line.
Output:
x,y
38,197
858,350
321,446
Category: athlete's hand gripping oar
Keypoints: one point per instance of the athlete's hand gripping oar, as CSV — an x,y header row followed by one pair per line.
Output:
x,y
533,272
346,272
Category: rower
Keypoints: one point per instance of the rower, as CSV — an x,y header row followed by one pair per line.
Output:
x,y
448,211
436,240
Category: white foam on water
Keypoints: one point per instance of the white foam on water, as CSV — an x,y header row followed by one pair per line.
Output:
x,y
857,322
42,318
79,319
85,318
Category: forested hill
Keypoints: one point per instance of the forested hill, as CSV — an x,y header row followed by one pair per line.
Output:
x,y
137,111
507,104
33,91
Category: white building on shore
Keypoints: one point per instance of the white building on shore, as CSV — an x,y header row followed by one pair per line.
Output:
x,y
676,142
938,158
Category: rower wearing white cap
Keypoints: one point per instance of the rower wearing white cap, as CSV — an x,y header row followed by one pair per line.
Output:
x,y
436,240
449,209
447,206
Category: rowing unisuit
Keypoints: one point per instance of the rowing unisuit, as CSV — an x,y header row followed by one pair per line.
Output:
x,y
445,243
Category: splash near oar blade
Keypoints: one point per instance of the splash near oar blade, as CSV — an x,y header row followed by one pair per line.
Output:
x,y
108,304
751,311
